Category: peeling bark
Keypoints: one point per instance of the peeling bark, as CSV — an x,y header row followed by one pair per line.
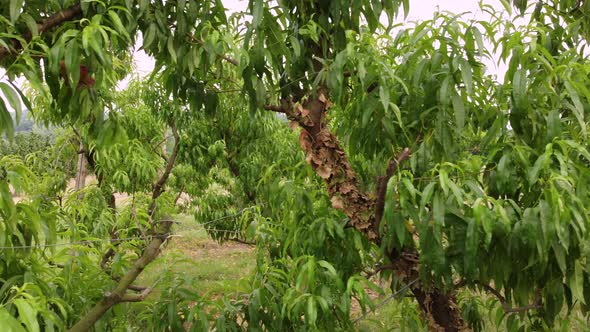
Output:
x,y
441,310
329,160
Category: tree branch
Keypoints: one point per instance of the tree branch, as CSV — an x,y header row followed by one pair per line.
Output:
x,y
52,21
158,188
136,297
118,294
222,56
382,184
160,232
535,305
507,308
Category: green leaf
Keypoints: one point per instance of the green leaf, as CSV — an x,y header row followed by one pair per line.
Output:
x,y
384,96
519,88
27,314
459,108
312,313
72,62
541,163
171,50
438,209
87,35
181,5
260,93
576,282
99,51
444,90
257,13
366,116
31,24
295,45
15,9
559,253
427,194
467,74
456,192
23,98
471,246
119,27
578,107
149,36
12,98
6,124
9,323
211,102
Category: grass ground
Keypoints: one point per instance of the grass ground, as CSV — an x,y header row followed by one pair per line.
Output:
x,y
219,269
214,268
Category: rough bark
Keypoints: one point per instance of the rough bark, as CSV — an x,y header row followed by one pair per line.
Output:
x,y
440,309
329,160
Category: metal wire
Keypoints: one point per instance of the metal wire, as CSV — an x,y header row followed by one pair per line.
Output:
x,y
85,242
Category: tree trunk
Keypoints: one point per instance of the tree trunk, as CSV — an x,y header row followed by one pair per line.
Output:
x,y
441,310
329,160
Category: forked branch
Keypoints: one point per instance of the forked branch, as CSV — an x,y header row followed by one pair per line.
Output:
x,y
507,308
160,233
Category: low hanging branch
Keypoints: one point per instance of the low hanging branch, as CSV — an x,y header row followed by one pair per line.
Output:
x,y
507,308
160,233
52,21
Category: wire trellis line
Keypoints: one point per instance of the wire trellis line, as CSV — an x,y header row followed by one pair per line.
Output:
x,y
91,241
241,212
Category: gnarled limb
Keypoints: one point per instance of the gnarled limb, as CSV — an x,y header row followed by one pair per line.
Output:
x,y
328,159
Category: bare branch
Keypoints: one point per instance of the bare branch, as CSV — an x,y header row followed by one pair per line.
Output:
x,y
507,308
157,146
136,297
276,108
535,305
160,233
158,188
138,288
379,269
52,21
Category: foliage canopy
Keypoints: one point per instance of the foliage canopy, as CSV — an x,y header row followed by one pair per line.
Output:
x,y
414,163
